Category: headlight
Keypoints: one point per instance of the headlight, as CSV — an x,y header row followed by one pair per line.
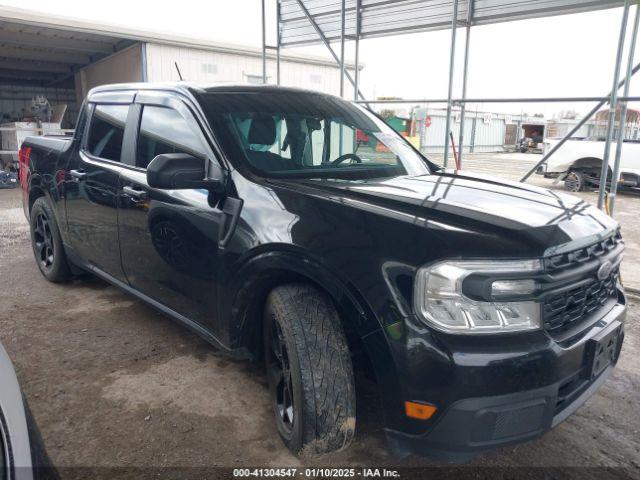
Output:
x,y
439,298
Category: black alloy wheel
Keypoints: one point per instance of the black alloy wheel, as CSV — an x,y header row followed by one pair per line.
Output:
x,y
279,371
44,243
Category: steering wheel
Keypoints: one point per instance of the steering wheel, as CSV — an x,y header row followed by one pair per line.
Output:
x,y
346,156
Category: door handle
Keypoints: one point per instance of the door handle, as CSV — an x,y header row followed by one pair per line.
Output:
x,y
134,193
77,174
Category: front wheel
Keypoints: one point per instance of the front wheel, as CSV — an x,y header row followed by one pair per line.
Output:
x,y
47,243
309,370
575,181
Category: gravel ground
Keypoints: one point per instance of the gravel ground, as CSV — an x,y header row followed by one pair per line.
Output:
x,y
121,390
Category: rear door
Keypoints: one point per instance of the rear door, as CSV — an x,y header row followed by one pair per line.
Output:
x,y
92,186
169,238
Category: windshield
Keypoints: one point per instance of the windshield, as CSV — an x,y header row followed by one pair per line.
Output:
x,y
309,136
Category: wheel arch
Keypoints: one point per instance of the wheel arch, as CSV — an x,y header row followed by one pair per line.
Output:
x,y
258,276
35,189
588,164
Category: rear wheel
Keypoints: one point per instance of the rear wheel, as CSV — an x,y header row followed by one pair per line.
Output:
x,y
309,370
575,181
47,243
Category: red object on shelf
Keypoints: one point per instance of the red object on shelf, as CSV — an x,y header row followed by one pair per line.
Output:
x,y
361,137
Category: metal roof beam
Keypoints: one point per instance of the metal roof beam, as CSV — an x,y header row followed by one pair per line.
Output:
x,y
29,75
44,55
20,82
34,66
39,40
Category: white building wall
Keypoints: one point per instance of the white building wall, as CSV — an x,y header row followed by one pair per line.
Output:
x,y
121,67
210,66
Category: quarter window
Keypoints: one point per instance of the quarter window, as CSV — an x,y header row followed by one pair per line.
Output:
x,y
163,130
107,131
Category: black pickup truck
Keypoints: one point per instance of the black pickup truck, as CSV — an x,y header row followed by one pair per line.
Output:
x,y
299,229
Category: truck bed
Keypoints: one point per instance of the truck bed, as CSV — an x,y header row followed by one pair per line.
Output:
x,y
49,142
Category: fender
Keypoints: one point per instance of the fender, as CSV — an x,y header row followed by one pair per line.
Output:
x,y
48,190
254,277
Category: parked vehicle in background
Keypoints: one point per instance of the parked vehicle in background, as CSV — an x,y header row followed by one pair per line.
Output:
x,y
579,163
8,179
487,311
22,453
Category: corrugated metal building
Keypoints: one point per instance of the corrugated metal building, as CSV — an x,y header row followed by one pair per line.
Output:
x,y
484,131
62,58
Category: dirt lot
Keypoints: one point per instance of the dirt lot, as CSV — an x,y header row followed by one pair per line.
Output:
x,y
112,383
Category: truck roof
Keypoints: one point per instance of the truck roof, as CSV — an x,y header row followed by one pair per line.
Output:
x,y
200,87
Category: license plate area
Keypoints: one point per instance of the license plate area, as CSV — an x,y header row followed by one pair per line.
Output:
x,y
602,350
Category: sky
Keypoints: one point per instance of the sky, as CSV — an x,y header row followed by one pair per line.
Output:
x,y
568,55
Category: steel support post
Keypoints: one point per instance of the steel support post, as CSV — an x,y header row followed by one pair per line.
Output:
x,y
463,106
278,7
623,114
586,118
264,44
324,39
342,20
452,57
612,107
342,39
357,52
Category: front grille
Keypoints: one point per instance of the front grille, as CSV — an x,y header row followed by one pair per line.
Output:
x,y
582,255
565,310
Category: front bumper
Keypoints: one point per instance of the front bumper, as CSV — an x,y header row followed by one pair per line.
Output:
x,y
553,382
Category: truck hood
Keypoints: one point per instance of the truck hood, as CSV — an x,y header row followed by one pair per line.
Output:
x,y
471,201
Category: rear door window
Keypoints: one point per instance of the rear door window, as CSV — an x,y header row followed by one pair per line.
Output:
x,y
164,130
106,131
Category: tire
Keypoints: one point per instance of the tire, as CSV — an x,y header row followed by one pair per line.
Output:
x,y
575,181
47,243
315,405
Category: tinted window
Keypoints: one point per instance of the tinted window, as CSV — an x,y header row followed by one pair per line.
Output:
x,y
107,130
163,130
310,136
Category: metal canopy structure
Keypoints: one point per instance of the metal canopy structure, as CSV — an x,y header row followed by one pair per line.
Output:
x,y
392,17
309,22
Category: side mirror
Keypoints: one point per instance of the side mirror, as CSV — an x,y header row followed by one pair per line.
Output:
x,y
178,171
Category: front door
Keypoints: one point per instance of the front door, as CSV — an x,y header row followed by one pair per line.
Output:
x,y
169,238
92,187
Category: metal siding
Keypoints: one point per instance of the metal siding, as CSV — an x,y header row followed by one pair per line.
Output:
x,y
235,68
387,17
488,137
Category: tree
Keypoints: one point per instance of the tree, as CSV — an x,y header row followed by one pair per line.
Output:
x,y
568,114
387,113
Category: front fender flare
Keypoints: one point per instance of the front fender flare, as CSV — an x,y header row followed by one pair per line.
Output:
x,y
250,282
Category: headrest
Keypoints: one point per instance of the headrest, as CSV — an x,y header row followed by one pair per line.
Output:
x,y
262,131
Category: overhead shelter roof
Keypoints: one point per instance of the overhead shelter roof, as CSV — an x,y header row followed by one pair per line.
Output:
x,y
394,17
37,53
47,50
